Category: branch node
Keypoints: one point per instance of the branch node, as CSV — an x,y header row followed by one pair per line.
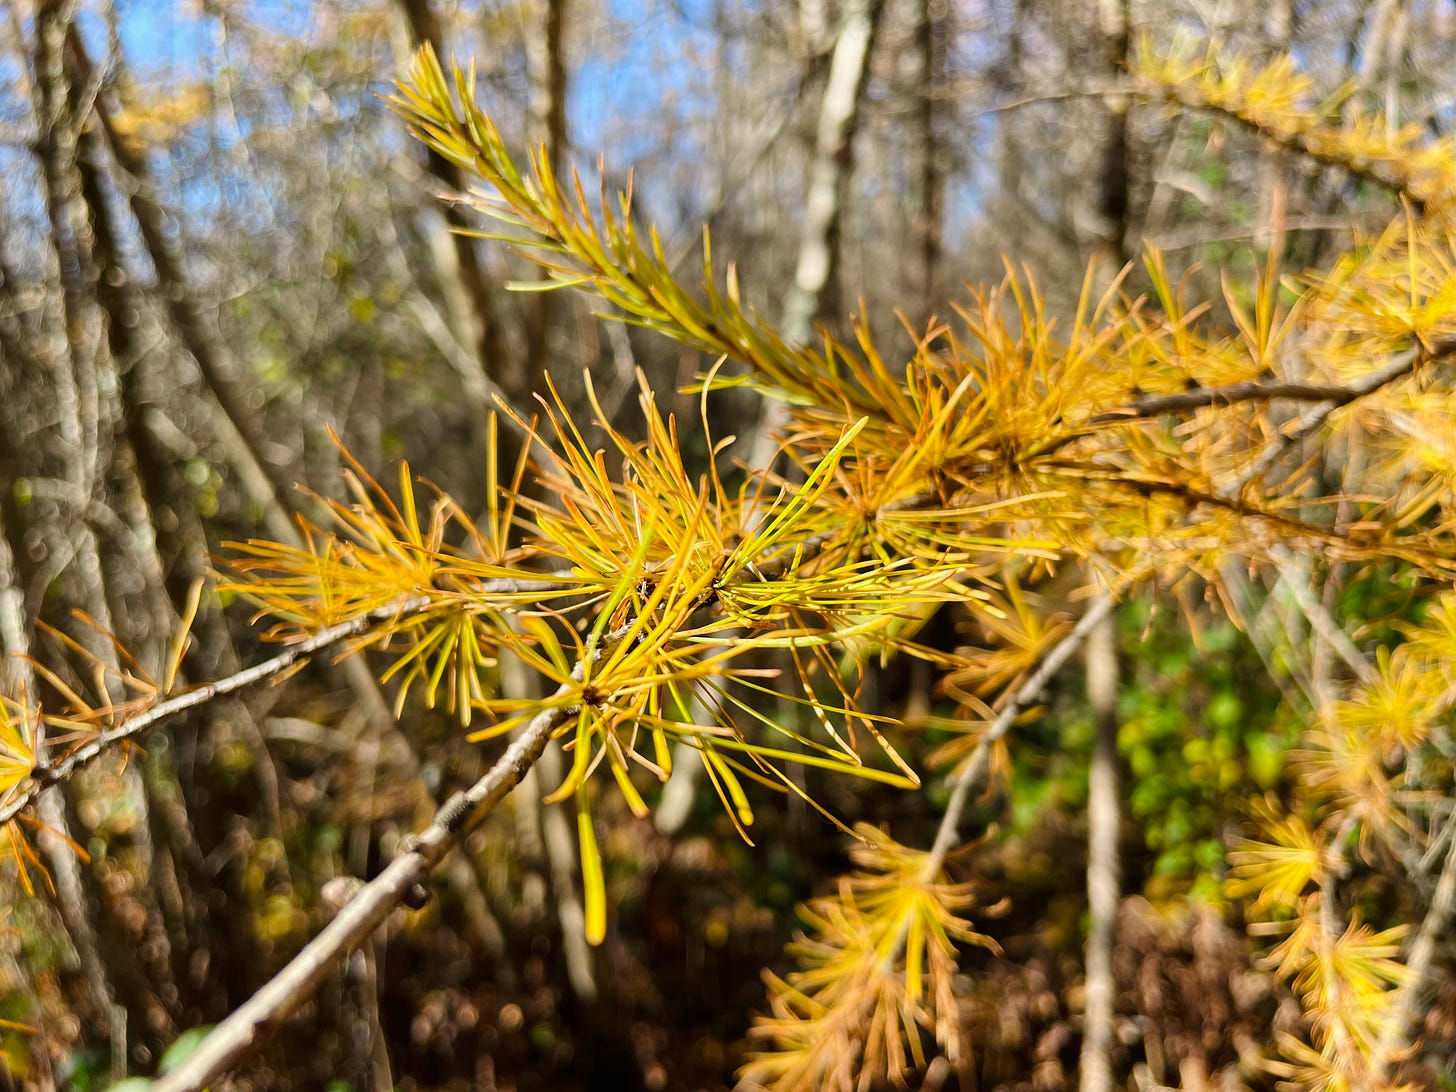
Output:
x,y
416,896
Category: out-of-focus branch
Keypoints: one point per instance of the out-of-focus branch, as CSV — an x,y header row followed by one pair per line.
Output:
x,y
1028,693
1414,995
1301,143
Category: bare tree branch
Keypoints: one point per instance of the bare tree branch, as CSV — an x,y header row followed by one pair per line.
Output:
x,y
1415,996
1254,391
973,770
134,726
243,1032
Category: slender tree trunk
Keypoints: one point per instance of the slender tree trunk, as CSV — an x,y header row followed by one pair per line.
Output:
x,y
829,171
1103,805
460,261
927,219
1103,866
546,129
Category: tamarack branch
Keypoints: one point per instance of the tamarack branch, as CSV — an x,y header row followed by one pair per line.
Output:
x,y
1138,442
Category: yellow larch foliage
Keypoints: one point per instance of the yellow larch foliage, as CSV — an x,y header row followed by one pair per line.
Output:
x,y
875,971
1279,101
1278,868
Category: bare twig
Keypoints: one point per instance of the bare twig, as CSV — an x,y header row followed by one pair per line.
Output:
x,y
243,1032
1414,995
1254,391
134,726
1326,398
1029,692
131,727
240,1036
973,770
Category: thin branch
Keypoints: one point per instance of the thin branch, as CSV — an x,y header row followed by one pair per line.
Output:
x,y
1027,694
973,771
1203,236
243,1032
1305,427
131,727
1327,400
1319,618
1302,143
134,726
1412,997
1253,391
1368,384
1111,89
